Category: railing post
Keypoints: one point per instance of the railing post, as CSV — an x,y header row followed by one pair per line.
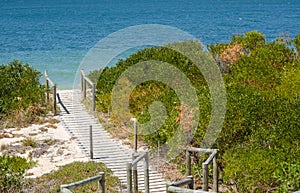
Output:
x,y
54,99
93,97
146,173
102,183
129,177
81,80
191,185
47,86
215,174
134,133
188,162
167,187
205,177
91,142
84,88
135,173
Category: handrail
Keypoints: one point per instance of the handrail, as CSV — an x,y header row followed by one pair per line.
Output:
x,y
132,172
211,158
184,190
84,79
65,188
49,81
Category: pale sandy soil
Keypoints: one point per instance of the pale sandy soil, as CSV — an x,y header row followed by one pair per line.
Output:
x,y
54,147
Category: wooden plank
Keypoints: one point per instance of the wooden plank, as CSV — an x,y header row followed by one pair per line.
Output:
x,y
106,150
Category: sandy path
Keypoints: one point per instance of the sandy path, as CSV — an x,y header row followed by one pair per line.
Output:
x,y
54,147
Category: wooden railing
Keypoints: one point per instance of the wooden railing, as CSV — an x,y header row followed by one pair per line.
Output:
x,y
53,86
211,159
132,172
175,187
84,80
66,188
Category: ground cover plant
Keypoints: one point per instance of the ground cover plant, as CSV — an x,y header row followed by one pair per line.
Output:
x,y
70,173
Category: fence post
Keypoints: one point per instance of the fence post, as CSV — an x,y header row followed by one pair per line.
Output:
x,y
84,88
102,183
134,133
54,99
81,80
135,173
47,86
93,97
191,185
167,187
188,162
91,142
215,174
205,177
146,173
129,177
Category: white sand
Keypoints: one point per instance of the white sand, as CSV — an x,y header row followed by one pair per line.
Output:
x,y
62,152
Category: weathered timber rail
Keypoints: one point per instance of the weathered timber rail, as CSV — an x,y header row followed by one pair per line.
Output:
x,y
66,188
77,121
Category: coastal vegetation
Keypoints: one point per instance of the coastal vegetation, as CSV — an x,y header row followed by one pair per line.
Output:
x,y
259,142
22,97
70,173
22,102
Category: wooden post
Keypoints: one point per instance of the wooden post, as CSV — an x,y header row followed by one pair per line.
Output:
x,y
146,173
191,185
81,80
91,143
54,99
135,135
47,86
84,88
93,98
102,183
188,162
135,174
167,187
205,177
215,174
129,177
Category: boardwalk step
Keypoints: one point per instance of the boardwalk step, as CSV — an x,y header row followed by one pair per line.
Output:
x,y
106,150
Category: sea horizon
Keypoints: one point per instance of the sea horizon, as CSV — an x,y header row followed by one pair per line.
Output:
x,y
56,35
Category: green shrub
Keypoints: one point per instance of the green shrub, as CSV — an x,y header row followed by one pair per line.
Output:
x,y
12,169
74,172
20,92
296,42
261,127
148,92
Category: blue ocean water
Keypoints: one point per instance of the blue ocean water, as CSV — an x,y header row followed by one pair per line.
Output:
x,y
56,34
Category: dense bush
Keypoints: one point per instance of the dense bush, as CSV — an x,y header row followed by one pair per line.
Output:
x,y
20,91
261,125
146,93
12,169
261,128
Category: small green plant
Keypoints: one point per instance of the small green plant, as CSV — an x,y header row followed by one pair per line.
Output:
x,y
29,142
12,169
288,176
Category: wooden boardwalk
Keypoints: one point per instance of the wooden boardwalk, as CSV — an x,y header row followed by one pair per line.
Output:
x,y
112,153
